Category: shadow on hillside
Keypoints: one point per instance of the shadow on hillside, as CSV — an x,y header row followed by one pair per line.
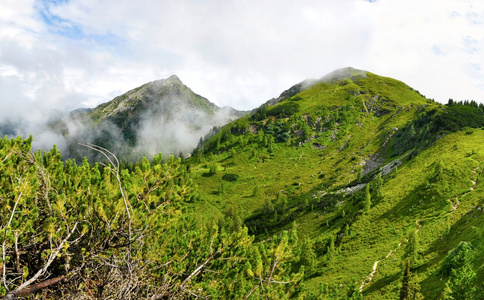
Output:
x,y
420,203
406,207
468,228
277,213
379,285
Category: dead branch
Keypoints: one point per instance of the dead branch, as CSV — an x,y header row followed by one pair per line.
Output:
x,y
34,288
4,274
276,262
198,269
114,169
13,294
17,254
251,291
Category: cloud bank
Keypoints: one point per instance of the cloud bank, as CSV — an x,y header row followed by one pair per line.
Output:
x,y
61,55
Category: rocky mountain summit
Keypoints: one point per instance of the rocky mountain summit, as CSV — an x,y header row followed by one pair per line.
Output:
x,y
160,116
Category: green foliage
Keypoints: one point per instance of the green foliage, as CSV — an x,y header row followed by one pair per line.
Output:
x,y
86,223
462,277
299,172
411,251
345,134
330,252
367,199
212,169
283,110
230,177
430,124
410,288
308,256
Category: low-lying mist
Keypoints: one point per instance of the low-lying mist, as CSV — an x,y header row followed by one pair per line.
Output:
x,y
178,133
170,127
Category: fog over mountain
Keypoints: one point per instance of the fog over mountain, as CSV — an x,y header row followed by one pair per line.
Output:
x,y
161,116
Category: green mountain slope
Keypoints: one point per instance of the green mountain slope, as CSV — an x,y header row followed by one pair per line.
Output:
x,y
362,164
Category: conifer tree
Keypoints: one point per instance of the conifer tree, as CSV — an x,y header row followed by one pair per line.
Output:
x,y
462,278
367,200
404,291
308,256
377,183
411,251
410,289
330,253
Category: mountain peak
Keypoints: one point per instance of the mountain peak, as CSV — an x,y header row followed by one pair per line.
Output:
x,y
334,76
173,80
343,73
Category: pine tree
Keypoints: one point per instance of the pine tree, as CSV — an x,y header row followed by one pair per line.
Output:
x,y
367,201
404,291
308,256
411,251
347,230
233,154
330,253
377,183
269,208
462,279
410,289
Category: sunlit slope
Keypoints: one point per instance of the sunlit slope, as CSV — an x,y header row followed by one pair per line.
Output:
x,y
323,135
435,195
308,159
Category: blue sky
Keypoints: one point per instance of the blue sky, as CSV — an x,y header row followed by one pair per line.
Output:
x,y
67,54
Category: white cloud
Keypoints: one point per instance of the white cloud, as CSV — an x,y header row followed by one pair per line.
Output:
x,y
238,53
432,47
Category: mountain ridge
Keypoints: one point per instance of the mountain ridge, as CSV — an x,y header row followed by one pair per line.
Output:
x,y
351,161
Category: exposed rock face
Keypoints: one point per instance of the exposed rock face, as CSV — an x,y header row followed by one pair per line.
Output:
x,y
372,163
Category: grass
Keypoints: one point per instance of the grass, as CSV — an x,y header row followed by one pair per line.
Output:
x,y
360,119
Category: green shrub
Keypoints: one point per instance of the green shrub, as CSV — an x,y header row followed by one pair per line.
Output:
x,y
230,177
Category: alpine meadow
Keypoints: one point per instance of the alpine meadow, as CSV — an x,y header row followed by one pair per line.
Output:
x,y
353,186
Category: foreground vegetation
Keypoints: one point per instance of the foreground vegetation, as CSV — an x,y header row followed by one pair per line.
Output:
x,y
106,233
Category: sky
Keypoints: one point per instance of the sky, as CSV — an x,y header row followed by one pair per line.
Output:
x,y
65,54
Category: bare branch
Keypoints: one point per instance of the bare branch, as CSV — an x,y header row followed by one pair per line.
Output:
x,y
103,152
7,156
42,271
115,171
197,270
35,287
251,291
17,254
4,268
276,262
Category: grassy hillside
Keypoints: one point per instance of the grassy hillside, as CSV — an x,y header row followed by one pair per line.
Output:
x,y
308,159
353,186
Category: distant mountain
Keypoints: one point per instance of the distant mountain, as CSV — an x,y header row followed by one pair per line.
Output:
x,y
161,116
